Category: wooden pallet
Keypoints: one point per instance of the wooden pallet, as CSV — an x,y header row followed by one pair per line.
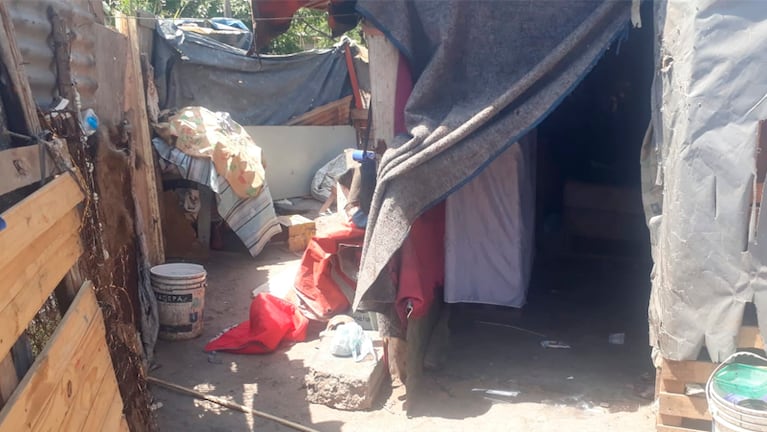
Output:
x,y
678,412
71,386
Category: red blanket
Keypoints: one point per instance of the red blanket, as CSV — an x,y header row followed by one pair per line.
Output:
x,y
272,321
323,284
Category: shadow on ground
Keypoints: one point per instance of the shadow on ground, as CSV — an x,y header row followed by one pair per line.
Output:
x,y
273,383
592,386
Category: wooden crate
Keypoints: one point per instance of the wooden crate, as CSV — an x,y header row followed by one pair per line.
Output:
x,y
300,231
678,412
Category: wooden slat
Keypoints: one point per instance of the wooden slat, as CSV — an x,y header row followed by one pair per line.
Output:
x,y
687,372
359,114
698,372
665,428
353,76
20,167
114,415
38,385
667,386
77,390
124,425
144,182
384,61
331,114
18,272
750,337
683,406
35,214
34,286
98,413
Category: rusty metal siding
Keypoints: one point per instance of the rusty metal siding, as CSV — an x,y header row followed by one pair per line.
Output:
x,y
34,38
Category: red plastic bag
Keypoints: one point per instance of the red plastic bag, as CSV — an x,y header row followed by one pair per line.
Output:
x,y
272,321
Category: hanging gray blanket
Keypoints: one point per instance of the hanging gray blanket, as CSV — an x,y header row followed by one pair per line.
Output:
x,y
485,73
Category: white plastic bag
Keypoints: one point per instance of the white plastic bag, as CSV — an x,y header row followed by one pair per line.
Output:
x,y
350,340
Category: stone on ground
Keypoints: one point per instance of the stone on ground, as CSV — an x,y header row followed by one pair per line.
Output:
x,y
341,382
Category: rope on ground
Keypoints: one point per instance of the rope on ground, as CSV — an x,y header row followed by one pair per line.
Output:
x,y
227,404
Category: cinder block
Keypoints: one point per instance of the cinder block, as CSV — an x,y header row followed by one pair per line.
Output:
x,y
341,382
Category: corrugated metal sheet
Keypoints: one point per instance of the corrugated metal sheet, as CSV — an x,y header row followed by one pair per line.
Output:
x,y
34,39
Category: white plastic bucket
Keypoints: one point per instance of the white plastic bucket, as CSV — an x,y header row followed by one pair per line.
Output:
x,y
730,417
180,292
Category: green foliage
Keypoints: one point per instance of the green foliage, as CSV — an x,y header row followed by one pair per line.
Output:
x,y
182,8
309,28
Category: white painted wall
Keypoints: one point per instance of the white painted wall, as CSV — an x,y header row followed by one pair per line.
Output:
x,y
293,154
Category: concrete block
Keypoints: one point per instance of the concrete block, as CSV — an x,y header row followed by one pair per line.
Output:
x,y
341,382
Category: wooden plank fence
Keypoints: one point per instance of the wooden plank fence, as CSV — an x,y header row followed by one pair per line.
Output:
x,y
71,385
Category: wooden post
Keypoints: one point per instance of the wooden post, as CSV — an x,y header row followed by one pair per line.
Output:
x,y
11,58
204,217
146,29
353,76
14,364
144,181
384,60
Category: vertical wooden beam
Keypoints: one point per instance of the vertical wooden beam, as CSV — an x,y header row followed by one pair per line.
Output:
x,y
146,29
62,49
204,216
667,386
144,182
419,334
11,58
62,54
16,363
353,76
384,60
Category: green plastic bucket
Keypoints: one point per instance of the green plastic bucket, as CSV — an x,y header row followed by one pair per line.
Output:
x,y
737,395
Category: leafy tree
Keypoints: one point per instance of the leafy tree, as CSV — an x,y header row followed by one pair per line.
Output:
x,y
309,28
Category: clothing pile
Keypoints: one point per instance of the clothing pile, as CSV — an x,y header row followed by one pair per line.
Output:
x,y
213,150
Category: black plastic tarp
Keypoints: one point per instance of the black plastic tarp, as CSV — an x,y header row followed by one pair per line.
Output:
x,y
191,69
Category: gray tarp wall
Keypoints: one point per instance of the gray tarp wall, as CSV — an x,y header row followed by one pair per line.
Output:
x,y
191,69
710,94
471,100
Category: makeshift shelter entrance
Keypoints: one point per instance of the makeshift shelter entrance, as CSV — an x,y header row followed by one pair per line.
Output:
x,y
480,84
462,118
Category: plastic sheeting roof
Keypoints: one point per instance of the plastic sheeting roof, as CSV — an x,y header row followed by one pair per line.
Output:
x,y
191,69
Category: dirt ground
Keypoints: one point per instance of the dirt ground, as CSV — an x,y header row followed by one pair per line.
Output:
x,y
593,386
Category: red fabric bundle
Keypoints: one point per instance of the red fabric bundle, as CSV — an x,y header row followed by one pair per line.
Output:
x,y
272,321
422,264
320,283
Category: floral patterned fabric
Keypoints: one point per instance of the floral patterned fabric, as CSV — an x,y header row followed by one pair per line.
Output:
x,y
202,133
